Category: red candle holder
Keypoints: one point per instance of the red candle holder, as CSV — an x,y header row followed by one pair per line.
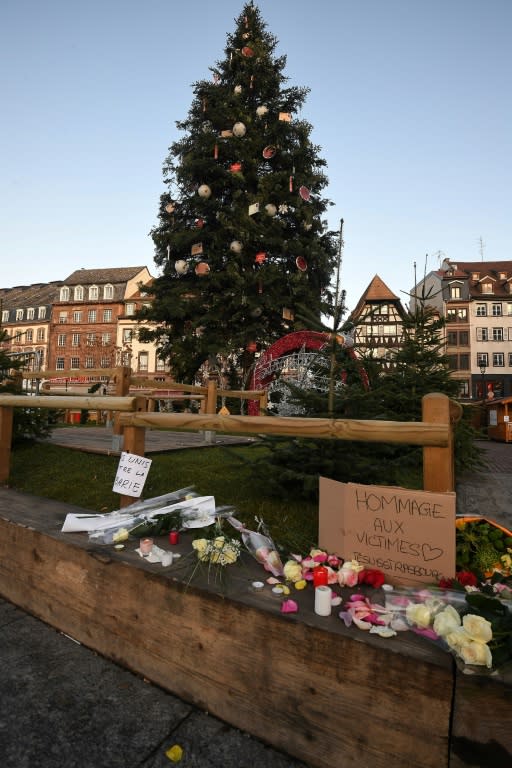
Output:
x,y
174,537
320,576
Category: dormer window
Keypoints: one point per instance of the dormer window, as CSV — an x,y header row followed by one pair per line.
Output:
x,y
79,293
93,293
454,291
487,287
502,275
64,293
108,292
475,276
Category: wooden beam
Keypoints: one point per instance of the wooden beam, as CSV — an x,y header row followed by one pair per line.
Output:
x,y
438,461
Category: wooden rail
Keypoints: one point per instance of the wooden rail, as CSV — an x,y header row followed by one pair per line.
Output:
x,y
434,432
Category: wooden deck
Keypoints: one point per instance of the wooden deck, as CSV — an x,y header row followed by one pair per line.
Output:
x,y
307,685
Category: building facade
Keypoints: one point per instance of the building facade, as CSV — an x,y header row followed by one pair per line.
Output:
x,y
378,320
476,300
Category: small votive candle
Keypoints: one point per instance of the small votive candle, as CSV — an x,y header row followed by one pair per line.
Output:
x,y
320,576
323,601
145,546
174,537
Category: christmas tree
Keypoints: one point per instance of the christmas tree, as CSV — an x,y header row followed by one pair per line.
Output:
x,y
241,244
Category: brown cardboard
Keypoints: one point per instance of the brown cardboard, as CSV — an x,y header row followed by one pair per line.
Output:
x,y
407,534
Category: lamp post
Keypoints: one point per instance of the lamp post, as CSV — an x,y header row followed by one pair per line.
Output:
x,y
482,371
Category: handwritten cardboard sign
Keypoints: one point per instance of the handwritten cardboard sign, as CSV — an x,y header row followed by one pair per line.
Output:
x,y
409,535
131,474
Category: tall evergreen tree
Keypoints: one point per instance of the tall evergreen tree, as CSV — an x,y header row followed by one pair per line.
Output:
x,y
240,242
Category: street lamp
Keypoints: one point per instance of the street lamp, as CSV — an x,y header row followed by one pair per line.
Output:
x,y
483,368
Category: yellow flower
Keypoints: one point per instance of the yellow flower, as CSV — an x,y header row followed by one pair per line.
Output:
x,y
121,535
419,614
301,584
200,545
292,570
473,652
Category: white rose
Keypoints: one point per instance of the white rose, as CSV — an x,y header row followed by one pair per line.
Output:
x,y
446,621
419,614
477,653
477,627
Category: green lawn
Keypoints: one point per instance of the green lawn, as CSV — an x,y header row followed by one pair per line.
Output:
x,y
86,480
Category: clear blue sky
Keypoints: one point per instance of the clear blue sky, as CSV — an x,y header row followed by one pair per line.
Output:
x,y
410,103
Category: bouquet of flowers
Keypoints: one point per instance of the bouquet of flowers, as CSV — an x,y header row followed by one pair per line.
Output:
x,y
260,545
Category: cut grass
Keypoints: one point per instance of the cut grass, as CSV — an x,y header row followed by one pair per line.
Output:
x,y
86,480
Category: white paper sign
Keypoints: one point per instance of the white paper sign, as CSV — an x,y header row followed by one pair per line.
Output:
x,y
131,474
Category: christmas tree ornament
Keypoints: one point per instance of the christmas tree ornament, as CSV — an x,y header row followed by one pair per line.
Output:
x,y
260,257
216,152
251,82
238,89
246,35
204,191
285,117
196,249
169,207
290,184
256,312
235,167
283,208
301,263
262,110
253,209
235,246
307,225
239,130
270,209
202,269
199,223
269,152
181,266
251,346
205,104
226,134
304,193
206,126
247,51
288,314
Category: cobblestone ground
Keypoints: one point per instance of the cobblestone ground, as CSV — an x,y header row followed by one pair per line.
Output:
x,y
488,492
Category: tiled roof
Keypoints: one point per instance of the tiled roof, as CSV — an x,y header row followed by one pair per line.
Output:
x,y
102,276
34,295
486,270
378,291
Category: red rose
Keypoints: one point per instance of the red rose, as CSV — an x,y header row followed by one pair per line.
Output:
x,y
371,576
467,579
446,583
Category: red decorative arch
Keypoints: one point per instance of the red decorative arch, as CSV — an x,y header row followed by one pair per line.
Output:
x,y
292,342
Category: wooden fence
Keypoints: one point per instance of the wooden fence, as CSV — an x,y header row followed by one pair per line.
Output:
x,y
434,432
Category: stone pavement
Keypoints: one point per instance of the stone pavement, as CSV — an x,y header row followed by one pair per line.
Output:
x,y
488,491
64,706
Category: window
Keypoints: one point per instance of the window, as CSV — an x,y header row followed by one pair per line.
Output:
x,y
127,335
41,313
63,317
59,364
64,293
31,313
463,338
77,317
487,287
19,314
89,362
130,308
94,292
108,292
91,339
509,307
498,359
29,336
481,310
75,339
510,358
5,316
105,362
497,334
496,310
452,362
106,339
160,365
464,362
143,361
75,362
107,315
91,316
41,335
482,358
454,291
482,334
79,293
452,338
61,340
459,314
464,388
502,275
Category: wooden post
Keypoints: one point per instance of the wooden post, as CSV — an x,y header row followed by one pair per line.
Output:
x,y
134,442
438,463
122,389
6,418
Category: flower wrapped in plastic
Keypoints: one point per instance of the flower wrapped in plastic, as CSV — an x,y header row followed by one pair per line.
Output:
x,y
261,546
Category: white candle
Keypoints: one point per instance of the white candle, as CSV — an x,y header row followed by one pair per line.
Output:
x,y
323,601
